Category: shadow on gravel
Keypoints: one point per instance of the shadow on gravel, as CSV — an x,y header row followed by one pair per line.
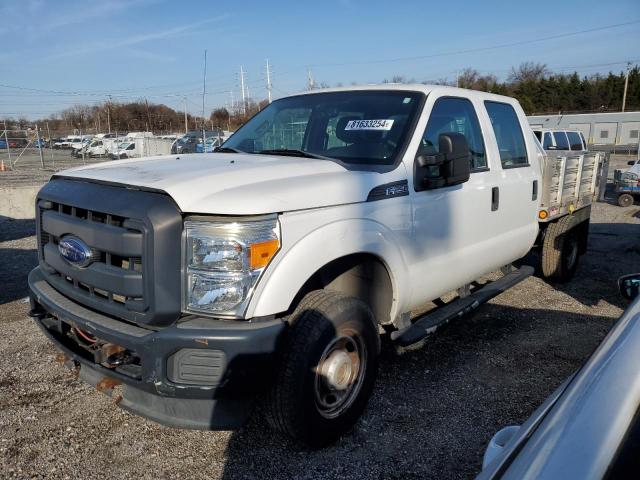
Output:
x,y
15,229
434,409
15,265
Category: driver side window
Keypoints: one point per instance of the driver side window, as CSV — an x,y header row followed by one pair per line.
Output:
x,y
452,114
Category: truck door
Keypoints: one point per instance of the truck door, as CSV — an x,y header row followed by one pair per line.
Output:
x,y
510,147
454,238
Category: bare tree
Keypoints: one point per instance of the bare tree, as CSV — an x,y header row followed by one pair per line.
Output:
x,y
220,117
528,71
471,78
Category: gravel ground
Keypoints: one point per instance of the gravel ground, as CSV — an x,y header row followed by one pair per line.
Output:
x,y
431,415
28,169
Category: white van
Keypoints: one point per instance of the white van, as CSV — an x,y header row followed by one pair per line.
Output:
x,y
564,140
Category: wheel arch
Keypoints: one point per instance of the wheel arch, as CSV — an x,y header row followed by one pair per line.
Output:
x,y
360,275
366,264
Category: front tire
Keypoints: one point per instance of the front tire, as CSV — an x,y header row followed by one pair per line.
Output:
x,y
327,369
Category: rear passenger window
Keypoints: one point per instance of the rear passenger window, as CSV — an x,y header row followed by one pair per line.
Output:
x,y
506,126
548,143
455,115
575,142
561,140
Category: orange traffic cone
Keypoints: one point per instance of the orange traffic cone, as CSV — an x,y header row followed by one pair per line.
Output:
x,y
2,167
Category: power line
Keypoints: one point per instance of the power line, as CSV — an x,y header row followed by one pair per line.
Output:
x,y
477,49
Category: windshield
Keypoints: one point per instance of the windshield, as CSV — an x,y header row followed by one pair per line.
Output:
x,y
364,127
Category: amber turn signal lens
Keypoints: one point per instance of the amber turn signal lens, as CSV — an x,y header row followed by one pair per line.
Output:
x,y
542,214
262,253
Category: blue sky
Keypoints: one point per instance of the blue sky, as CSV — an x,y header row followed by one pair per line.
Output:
x,y
82,51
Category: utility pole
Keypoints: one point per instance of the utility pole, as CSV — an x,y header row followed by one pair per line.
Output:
x,y
186,126
109,113
244,100
6,142
204,92
149,124
50,145
626,85
40,145
268,80
233,105
311,84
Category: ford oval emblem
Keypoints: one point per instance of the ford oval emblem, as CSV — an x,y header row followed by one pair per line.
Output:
x,y
75,251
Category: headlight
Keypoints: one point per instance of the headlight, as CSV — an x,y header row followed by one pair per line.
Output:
x,y
223,261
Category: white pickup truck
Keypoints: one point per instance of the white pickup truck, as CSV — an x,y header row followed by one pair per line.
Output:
x,y
191,287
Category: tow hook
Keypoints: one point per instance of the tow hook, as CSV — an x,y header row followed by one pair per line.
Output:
x,y
38,313
111,355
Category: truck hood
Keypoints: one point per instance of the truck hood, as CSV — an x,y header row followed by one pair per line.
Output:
x,y
240,184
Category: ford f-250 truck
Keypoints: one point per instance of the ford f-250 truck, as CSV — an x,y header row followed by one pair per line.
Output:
x,y
192,287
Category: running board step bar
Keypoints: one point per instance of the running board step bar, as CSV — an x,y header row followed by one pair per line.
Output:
x,y
430,322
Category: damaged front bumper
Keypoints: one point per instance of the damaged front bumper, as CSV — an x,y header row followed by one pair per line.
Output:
x,y
200,373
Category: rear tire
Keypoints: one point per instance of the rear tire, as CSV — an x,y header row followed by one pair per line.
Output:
x,y
560,250
327,369
625,200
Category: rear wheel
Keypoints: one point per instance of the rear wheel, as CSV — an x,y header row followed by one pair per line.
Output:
x,y
560,250
327,369
625,200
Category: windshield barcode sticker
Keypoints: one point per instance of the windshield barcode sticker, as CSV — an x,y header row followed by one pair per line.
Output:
x,y
369,125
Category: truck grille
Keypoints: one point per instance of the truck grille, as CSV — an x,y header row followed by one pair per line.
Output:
x,y
135,256
115,275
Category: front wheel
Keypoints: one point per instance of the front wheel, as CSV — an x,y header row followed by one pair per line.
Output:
x,y
327,369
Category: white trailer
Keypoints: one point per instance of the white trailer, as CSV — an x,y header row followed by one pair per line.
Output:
x,y
142,147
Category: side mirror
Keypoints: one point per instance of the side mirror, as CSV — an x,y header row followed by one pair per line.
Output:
x,y
497,444
450,166
631,163
629,286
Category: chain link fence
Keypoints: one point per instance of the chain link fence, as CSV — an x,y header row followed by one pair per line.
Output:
x,y
27,149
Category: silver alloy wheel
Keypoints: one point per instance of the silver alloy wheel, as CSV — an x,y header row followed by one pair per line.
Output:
x,y
339,374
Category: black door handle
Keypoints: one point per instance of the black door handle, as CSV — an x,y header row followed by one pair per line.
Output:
x,y
495,198
534,194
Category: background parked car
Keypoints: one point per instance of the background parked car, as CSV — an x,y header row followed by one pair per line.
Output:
x,y
125,150
188,143
209,146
